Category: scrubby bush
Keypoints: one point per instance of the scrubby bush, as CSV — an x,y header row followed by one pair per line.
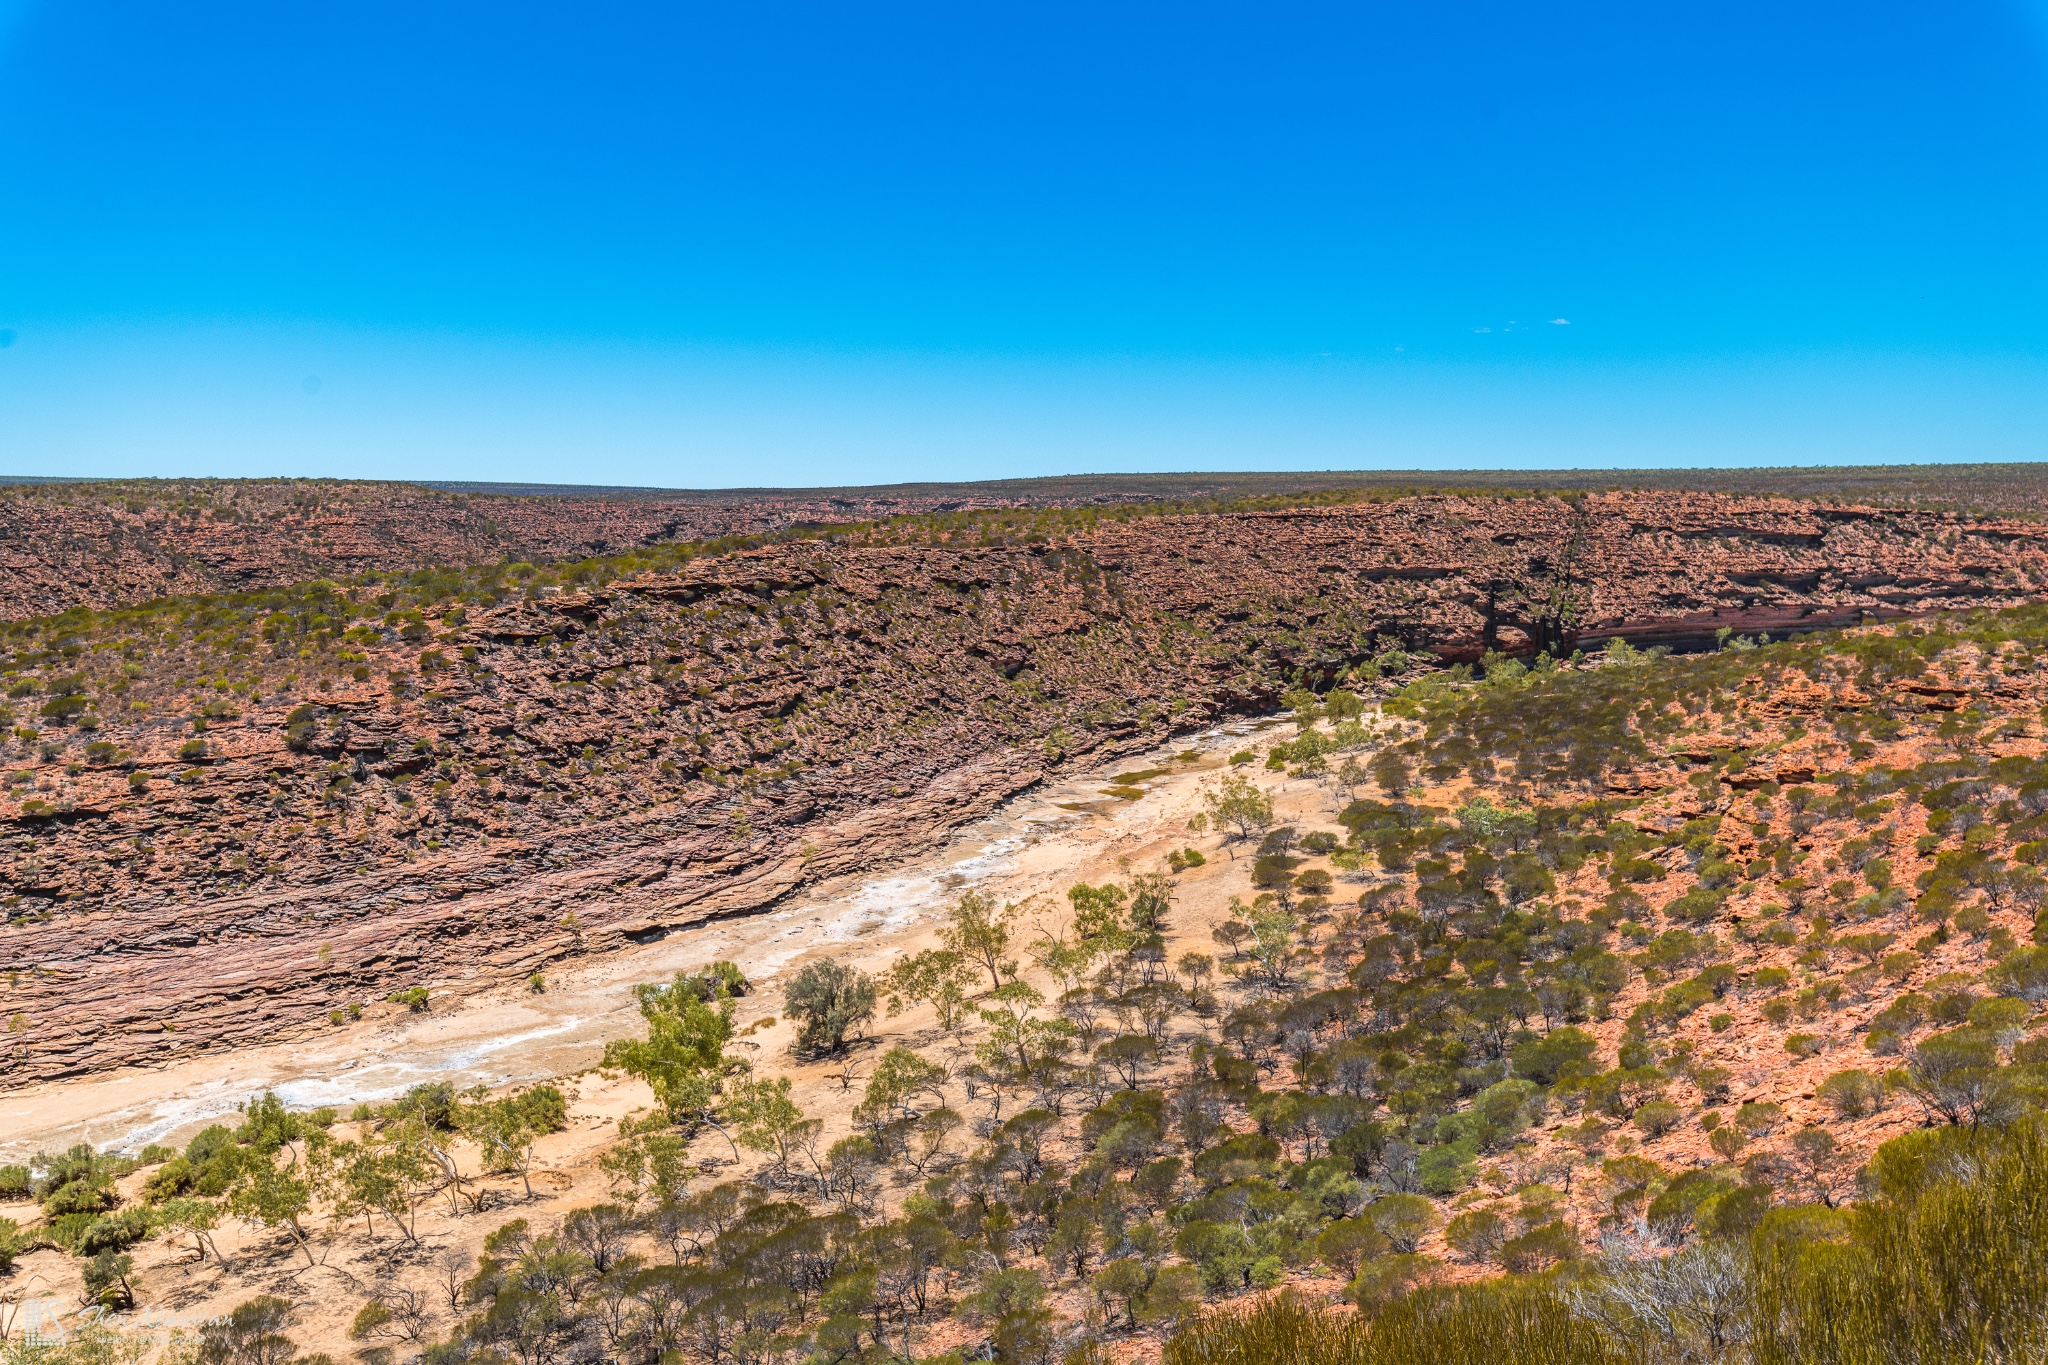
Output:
x,y
1851,1094
1403,1219
1657,1118
433,1103
1344,1244
252,1333
1804,1044
1477,1234
113,1231
106,1279
832,1001
77,1182
1557,1053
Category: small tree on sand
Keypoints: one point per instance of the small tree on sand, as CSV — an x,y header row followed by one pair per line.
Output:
x,y
1238,803
980,932
832,1000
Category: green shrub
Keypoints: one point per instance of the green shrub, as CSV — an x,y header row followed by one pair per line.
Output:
x,y
209,1143
1697,906
113,1231
2003,1018
1771,979
832,1000
720,980
106,1279
66,1228
432,1103
1851,1094
1559,1052
1388,1280
251,1334
1715,874
1344,1244
543,1108
1446,1169
1684,999
1476,1234
2023,974
91,1195
1220,1251
1540,1247
1657,1118
169,1180
1403,1219
1734,1213
370,1320
1274,870
1314,881
1632,869
1758,1118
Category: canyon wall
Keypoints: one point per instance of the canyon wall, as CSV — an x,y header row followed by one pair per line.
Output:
x,y
109,545
258,830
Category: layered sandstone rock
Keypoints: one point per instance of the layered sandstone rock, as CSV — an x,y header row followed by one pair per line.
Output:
x,y
107,545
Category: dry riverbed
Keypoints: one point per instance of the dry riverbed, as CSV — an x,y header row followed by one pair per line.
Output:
x,y
1036,845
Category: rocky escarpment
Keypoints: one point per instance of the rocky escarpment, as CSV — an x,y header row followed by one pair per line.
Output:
x,y
105,545
1459,576
223,819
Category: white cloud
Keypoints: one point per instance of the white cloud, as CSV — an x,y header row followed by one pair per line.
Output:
x,y
1560,322
1482,330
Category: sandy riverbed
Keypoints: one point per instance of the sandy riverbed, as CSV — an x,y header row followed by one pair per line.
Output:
x,y
1038,844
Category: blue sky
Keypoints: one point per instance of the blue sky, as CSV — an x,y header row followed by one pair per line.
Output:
x,y
783,243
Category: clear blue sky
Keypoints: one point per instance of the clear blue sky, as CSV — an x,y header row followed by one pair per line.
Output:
x,y
691,244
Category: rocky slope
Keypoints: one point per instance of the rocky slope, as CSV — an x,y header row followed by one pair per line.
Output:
x,y
103,545
227,817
